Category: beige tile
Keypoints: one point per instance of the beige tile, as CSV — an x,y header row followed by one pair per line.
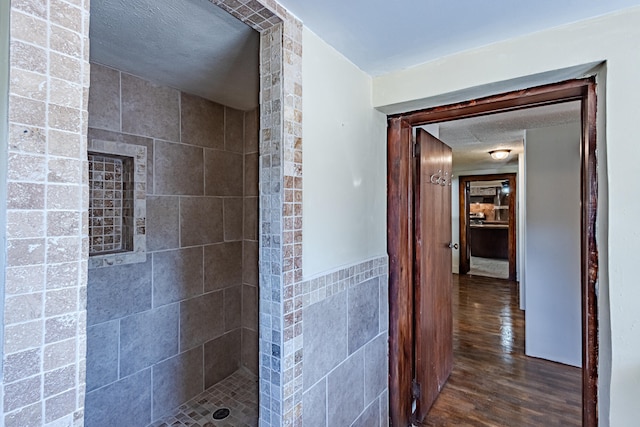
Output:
x,y
26,167
222,265
104,98
63,249
23,308
27,111
28,28
59,380
64,93
65,41
63,223
59,354
25,251
223,173
29,85
64,196
62,301
233,130
28,57
27,139
63,170
250,307
23,336
62,275
32,7
202,122
23,224
64,118
251,131
22,393
232,308
251,218
200,221
60,328
58,406
29,415
178,169
65,144
64,67
24,279
250,350
21,365
250,263
63,14
150,110
232,219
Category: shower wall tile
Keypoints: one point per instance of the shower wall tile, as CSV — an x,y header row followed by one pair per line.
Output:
x,y
150,110
250,350
250,307
314,402
232,308
102,354
233,219
178,169
147,338
251,218
364,313
346,404
201,221
121,402
221,357
369,417
223,173
202,122
176,380
163,222
376,367
118,291
250,263
222,265
104,98
201,319
233,130
177,275
251,131
251,174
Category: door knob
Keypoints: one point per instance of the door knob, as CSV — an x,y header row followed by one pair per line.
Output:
x,y
453,245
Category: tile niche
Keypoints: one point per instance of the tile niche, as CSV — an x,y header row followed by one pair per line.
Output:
x,y
117,203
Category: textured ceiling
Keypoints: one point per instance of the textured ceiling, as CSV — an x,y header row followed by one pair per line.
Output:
x,y
380,36
472,139
191,45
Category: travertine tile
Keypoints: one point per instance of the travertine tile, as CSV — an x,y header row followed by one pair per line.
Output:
x,y
201,319
65,144
27,139
63,223
33,7
232,307
22,393
59,380
59,354
25,251
27,111
61,301
251,175
178,169
233,219
62,275
233,130
223,173
30,416
28,57
63,196
177,275
60,328
63,249
222,265
104,98
23,224
23,336
102,354
65,41
200,221
23,308
65,67
64,14
29,85
22,365
251,218
64,118
251,131
24,279
221,357
58,406
65,93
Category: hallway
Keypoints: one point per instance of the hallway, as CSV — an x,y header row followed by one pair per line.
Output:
x,y
493,383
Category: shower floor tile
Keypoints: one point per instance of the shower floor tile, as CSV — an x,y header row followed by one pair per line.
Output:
x,y
238,393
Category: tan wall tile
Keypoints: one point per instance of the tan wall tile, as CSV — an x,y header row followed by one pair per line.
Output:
x,y
27,139
64,170
59,354
22,393
21,365
64,196
65,41
64,67
30,415
26,279
63,223
62,92
62,275
33,7
63,249
65,118
23,336
60,405
25,251
60,380
28,57
64,14
28,28
26,167
23,308
65,144
27,111
60,302
29,85
24,224
60,328
25,196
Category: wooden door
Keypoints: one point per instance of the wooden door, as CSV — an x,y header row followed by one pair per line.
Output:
x,y
433,334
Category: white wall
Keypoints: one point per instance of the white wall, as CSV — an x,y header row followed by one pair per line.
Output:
x,y
612,38
553,328
520,236
4,101
344,162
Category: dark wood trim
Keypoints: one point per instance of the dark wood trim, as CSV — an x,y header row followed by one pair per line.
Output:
x,y
589,247
400,217
464,208
400,249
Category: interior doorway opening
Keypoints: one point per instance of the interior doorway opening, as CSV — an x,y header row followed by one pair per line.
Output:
x,y
401,225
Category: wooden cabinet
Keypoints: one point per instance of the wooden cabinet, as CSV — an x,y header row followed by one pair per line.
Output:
x,y
490,241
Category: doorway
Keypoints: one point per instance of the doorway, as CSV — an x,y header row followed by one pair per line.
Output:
x,y
487,206
401,228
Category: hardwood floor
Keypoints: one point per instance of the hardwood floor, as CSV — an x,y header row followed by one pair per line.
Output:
x,y
493,383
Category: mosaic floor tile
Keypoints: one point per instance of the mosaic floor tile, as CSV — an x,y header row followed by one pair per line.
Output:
x,y
238,393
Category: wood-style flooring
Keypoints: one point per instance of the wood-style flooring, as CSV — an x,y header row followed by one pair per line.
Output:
x,y
493,383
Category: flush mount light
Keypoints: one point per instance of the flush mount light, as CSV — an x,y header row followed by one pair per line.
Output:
x,y
499,154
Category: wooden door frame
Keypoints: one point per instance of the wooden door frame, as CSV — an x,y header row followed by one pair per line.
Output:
x,y
463,202
400,230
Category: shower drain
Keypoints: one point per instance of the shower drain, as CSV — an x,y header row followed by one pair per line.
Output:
x,y
221,414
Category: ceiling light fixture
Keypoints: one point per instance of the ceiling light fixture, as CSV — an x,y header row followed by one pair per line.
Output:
x,y
499,154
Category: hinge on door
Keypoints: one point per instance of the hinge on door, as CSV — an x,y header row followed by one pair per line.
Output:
x,y
415,389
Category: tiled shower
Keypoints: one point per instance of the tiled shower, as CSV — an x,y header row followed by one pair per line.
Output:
x,y
165,328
